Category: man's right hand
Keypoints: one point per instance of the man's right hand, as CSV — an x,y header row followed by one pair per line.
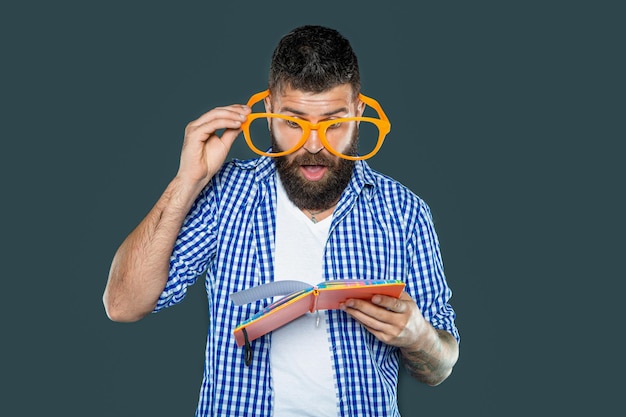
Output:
x,y
204,151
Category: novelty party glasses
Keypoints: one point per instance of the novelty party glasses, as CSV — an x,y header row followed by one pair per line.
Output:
x,y
294,132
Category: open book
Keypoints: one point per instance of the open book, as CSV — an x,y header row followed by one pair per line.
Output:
x,y
302,298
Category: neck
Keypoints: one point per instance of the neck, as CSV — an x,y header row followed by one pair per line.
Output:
x,y
319,215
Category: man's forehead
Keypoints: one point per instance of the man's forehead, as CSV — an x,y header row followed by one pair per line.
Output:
x,y
336,98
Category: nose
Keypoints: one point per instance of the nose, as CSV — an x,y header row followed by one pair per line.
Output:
x,y
313,143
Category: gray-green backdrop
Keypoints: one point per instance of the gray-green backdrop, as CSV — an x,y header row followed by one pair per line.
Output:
x,y
507,118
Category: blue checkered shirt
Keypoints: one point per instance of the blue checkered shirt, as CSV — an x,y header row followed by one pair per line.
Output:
x,y
379,230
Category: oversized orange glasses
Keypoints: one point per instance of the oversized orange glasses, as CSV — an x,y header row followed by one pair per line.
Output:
x,y
332,133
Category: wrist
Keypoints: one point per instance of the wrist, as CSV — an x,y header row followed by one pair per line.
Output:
x,y
188,187
426,341
182,193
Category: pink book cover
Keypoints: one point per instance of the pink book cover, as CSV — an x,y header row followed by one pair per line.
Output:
x,y
324,296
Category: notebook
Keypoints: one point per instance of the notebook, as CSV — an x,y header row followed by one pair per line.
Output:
x,y
301,298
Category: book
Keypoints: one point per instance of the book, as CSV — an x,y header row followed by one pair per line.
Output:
x,y
327,295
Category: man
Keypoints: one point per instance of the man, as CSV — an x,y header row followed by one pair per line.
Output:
x,y
312,210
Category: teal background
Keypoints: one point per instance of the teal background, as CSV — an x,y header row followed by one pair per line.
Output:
x,y
507,118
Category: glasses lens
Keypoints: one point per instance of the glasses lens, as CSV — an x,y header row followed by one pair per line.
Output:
x,y
341,137
260,134
367,138
287,132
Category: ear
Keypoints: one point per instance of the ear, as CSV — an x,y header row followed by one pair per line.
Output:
x,y
267,101
268,104
360,107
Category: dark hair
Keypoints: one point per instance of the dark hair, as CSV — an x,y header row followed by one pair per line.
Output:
x,y
314,59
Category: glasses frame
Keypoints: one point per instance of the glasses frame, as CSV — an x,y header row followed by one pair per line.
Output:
x,y
383,124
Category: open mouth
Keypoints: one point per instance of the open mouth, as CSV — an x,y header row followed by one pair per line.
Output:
x,y
313,172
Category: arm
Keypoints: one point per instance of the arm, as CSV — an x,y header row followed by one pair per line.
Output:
x,y
432,365
428,354
140,267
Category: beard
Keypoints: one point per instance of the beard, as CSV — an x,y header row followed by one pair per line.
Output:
x,y
315,195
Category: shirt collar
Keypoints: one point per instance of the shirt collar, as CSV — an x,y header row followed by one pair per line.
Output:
x,y
362,177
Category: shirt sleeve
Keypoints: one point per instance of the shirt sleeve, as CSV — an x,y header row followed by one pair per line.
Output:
x,y
193,250
426,279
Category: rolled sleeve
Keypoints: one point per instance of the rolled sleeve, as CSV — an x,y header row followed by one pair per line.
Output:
x,y
191,254
428,282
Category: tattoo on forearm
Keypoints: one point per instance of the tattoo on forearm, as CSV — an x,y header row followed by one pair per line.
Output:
x,y
420,363
429,365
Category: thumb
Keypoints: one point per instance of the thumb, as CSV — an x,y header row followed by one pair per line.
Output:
x,y
229,136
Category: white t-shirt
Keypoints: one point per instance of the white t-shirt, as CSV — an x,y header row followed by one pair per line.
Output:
x,y
301,362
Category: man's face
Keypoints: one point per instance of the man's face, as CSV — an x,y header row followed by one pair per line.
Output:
x,y
313,177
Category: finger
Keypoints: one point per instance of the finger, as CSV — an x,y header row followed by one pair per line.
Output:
x,y
370,322
205,130
378,313
235,112
229,136
396,305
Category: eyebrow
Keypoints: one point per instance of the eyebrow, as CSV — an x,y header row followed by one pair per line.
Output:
x,y
301,113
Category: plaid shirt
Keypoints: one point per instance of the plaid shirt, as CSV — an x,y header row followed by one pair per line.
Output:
x,y
379,230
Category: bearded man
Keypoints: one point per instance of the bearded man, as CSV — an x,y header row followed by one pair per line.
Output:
x,y
309,208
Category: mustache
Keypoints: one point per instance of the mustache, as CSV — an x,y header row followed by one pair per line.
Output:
x,y
313,159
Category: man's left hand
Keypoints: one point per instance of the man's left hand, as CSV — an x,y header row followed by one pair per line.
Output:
x,y
394,321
